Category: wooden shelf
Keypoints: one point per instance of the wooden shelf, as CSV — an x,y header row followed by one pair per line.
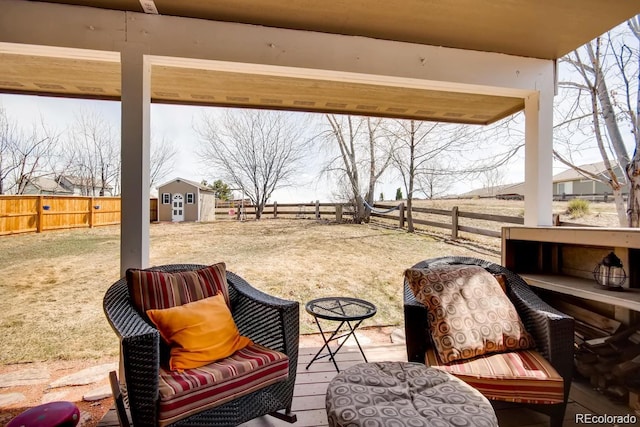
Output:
x,y
584,288
612,237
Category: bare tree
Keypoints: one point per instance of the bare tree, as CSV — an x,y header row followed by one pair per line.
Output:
x,y
364,155
96,153
257,151
7,141
429,156
491,179
162,160
24,156
633,168
420,146
433,183
603,81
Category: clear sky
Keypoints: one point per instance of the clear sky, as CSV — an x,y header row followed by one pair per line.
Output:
x,y
175,123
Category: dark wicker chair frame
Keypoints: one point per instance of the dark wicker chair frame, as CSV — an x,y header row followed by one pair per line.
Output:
x,y
267,320
552,330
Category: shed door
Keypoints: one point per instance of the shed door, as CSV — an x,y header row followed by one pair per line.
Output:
x,y
177,208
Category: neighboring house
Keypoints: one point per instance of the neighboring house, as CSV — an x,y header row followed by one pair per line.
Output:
x,y
45,185
84,186
566,185
67,185
571,182
184,200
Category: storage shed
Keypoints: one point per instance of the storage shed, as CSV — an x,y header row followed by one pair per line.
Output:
x,y
184,200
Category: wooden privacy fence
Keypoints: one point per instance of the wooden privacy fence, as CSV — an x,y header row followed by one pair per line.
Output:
x,y
25,214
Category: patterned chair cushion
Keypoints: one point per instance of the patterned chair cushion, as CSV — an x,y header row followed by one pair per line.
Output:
x,y
183,394
153,289
404,394
518,376
468,312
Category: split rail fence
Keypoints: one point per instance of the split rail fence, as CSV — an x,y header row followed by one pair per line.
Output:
x,y
453,220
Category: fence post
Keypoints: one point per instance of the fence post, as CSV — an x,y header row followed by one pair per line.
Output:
x,y
91,212
317,209
401,214
454,223
39,214
338,214
275,209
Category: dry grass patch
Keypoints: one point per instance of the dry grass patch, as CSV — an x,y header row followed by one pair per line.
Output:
x,y
53,283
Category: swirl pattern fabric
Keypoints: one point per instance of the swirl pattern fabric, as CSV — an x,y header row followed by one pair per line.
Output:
x,y
469,314
398,394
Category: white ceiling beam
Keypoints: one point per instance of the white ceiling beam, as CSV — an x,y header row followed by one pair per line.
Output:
x,y
256,48
250,44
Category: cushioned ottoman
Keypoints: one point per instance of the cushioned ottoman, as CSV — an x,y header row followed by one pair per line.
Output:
x,y
404,394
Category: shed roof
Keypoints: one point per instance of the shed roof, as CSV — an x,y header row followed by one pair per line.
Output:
x,y
189,182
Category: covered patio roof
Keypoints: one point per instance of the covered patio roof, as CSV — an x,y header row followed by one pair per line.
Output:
x,y
525,28
454,61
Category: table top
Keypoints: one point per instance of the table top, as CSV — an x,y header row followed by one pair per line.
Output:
x,y
340,308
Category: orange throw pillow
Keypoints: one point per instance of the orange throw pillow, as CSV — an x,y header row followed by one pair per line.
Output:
x,y
199,332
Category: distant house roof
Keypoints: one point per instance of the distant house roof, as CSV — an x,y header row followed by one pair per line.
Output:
x,y
573,175
493,191
192,183
77,181
48,185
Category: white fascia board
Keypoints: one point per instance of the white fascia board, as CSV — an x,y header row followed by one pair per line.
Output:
x,y
189,42
51,24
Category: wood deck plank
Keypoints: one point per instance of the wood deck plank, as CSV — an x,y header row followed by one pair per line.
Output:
x,y
311,387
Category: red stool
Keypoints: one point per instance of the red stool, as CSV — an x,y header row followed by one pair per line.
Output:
x,y
53,414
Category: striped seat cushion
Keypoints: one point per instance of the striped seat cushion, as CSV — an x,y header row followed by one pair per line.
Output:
x,y
191,391
518,376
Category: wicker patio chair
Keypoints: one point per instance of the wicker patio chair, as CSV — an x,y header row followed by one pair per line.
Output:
x,y
552,330
268,321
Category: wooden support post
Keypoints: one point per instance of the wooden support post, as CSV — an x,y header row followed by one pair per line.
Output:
x,y
454,223
275,209
91,212
317,209
401,215
338,214
39,214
